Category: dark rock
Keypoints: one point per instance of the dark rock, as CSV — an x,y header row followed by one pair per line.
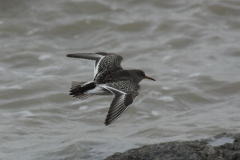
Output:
x,y
220,147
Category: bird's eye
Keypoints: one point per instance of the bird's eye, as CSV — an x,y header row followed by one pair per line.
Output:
x,y
142,74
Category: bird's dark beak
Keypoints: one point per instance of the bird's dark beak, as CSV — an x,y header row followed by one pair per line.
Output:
x,y
149,78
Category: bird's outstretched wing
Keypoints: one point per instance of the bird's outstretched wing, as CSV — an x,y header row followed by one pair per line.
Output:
x,y
105,62
124,94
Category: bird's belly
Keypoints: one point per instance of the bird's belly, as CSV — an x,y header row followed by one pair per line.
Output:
x,y
99,91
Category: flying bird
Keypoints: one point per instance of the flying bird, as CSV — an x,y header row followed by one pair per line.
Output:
x,y
109,79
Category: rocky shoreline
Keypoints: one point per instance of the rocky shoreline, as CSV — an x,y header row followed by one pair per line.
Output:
x,y
225,146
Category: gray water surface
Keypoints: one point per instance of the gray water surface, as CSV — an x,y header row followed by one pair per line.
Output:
x,y
191,47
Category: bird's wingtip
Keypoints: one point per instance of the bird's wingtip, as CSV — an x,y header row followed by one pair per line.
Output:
x,y
69,55
107,122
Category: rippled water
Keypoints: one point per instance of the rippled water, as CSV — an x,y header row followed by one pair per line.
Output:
x,y
191,47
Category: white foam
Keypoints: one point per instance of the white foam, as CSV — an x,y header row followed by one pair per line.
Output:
x,y
11,87
76,102
15,87
44,57
175,71
155,94
26,113
2,69
165,88
22,113
221,141
155,113
166,58
41,71
83,108
32,32
166,99
194,75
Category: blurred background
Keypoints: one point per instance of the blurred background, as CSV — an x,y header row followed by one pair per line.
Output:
x,y
191,47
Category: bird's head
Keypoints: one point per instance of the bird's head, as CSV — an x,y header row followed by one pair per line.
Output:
x,y
141,75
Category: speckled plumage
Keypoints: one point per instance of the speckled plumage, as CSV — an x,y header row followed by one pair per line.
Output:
x,y
109,78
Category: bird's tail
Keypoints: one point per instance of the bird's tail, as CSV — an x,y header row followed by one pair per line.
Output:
x,y
79,89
